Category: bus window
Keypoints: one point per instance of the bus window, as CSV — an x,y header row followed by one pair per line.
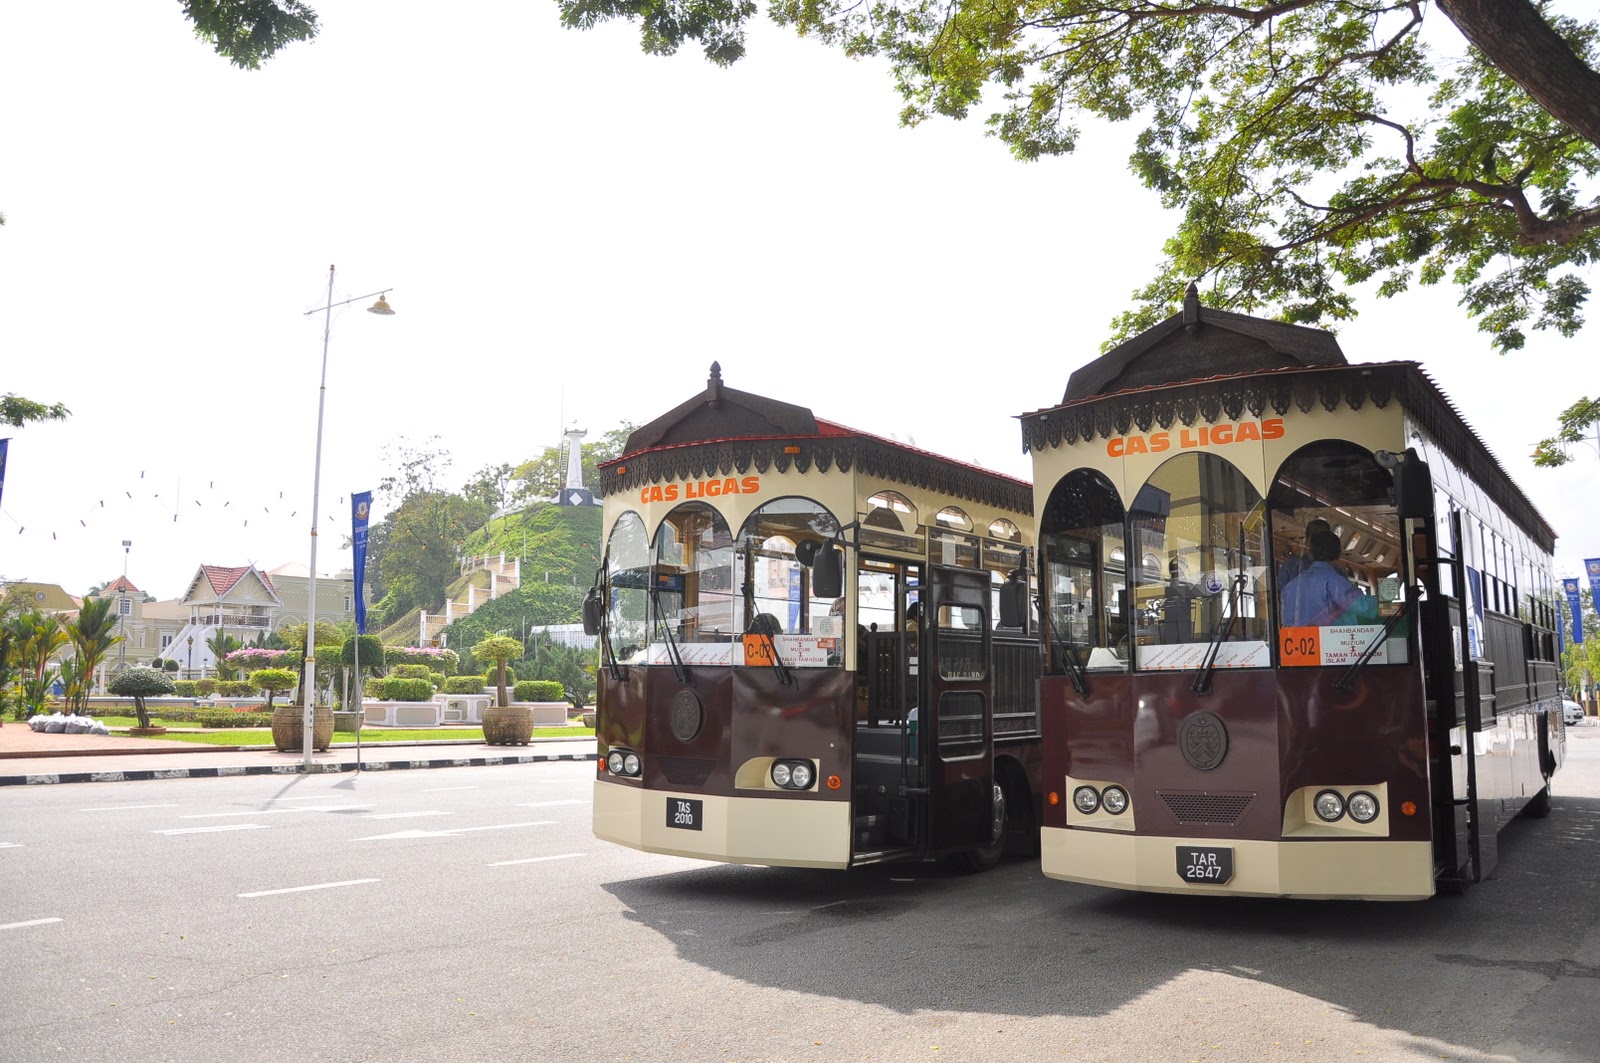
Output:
x,y
1081,539
1201,522
694,575
774,580
628,565
1336,556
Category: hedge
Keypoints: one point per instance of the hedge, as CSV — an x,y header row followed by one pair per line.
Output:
x,y
416,671
407,689
185,688
235,688
205,687
442,661
539,690
229,718
463,684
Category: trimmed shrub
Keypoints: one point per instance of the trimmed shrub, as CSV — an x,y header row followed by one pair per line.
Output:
x,y
463,684
252,658
229,718
539,690
205,687
235,688
184,688
407,689
273,681
374,688
442,661
412,671
170,665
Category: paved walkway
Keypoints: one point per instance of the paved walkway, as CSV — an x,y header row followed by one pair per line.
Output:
x,y
29,758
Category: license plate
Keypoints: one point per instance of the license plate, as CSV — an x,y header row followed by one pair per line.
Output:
x,y
1205,865
685,813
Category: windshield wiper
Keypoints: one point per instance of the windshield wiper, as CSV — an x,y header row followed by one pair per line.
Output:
x,y
1068,652
602,578
763,627
679,669
1208,663
1344,682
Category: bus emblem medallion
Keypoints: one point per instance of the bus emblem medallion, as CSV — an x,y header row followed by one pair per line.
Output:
x,y
686,715
1204,740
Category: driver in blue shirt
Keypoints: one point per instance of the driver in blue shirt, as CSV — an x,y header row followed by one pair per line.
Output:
x,y
1319,596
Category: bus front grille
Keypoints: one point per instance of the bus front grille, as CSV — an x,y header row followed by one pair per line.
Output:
x,y
686,771
1199,806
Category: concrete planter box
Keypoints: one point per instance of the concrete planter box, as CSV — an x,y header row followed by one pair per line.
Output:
x,y
402,713
462,708
547,713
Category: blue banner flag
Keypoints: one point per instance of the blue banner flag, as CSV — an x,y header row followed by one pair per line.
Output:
x,y
1591,565
1571,587
5,444
360,510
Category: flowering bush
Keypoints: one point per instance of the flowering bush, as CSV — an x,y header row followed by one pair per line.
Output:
x,y
252,658
439,660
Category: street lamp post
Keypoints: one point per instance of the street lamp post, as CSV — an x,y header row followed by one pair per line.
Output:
x,y
308,682
122,609
191,657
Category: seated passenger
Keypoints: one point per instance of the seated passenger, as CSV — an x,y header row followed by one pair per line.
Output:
x,y
1319,596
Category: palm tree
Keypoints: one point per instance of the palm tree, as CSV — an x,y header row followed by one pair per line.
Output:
x,y
35,638
221,644
93,634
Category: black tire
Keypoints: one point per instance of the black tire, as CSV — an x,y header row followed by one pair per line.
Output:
x,y
1539,806
985,857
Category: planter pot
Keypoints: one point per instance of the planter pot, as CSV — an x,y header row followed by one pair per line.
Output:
x,y
588,720
288,728
507,725
146,732
347,721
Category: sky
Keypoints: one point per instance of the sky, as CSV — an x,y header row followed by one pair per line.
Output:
x,y
572,232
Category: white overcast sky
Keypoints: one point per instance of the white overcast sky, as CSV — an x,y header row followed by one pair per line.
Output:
x,y
573,231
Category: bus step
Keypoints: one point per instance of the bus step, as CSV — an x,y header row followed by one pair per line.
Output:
x,y
882,856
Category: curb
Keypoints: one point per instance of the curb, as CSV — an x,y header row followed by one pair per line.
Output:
x,y
140,774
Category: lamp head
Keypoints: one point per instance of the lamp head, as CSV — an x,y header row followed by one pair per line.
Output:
x,y
381,307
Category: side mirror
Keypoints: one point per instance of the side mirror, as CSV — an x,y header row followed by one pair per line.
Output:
x,y
1413,483
1014,600
827,571
593,611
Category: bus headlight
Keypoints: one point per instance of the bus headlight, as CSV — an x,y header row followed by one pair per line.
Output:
x,y
1086,799
1115,800
793,774
623,762
1329,806
1363,807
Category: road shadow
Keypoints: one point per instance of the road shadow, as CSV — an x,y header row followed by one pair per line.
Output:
x,y
1011,942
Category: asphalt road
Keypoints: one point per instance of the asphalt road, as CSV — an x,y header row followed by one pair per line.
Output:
x,y
468,914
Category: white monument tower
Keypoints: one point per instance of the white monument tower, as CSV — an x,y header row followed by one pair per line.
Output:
x,y
573,492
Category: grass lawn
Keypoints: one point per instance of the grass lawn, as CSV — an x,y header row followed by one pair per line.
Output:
x,y
262,736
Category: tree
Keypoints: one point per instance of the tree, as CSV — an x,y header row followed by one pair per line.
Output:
x,y
1574,423
272,681
499,649
329,641
92,633
570,666
17,411
1306,145
221,644
34,636
138,684
249,32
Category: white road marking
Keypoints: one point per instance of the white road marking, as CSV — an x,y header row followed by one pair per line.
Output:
x,y
318,886
10,845
548,804
29,922
536,859
312,797
442,789
121,808
274,811
403,815
450,833
212,830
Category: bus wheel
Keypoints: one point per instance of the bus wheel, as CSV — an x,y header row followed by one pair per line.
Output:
x,y
987,856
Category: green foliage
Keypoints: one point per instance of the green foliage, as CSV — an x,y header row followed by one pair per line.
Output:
x,y
372,652
186,688
205,687
539,690
272,681
92,632
32,637
439,660
234,688
221,645
1306,147
499,649
463,684
374,688
417,671
17,411
230,718
397,689
170,666
138,684
570,666
249,32
1576,423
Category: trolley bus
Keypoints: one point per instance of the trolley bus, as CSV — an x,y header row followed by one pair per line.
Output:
x,y
771,587
1298,625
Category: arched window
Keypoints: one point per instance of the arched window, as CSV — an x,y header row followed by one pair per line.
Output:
x,y
628,572
1085,577
693,579
774,582
1336,554
1201,521
890,509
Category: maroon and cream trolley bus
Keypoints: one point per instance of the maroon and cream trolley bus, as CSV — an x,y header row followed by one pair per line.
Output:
x,y
1298,625
800,658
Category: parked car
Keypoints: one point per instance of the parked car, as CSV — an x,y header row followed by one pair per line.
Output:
x,y
1572,712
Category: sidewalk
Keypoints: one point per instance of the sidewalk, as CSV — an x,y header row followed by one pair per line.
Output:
x,y
28,758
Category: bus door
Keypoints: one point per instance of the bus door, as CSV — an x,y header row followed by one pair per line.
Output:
x,y
1453,708
955,733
